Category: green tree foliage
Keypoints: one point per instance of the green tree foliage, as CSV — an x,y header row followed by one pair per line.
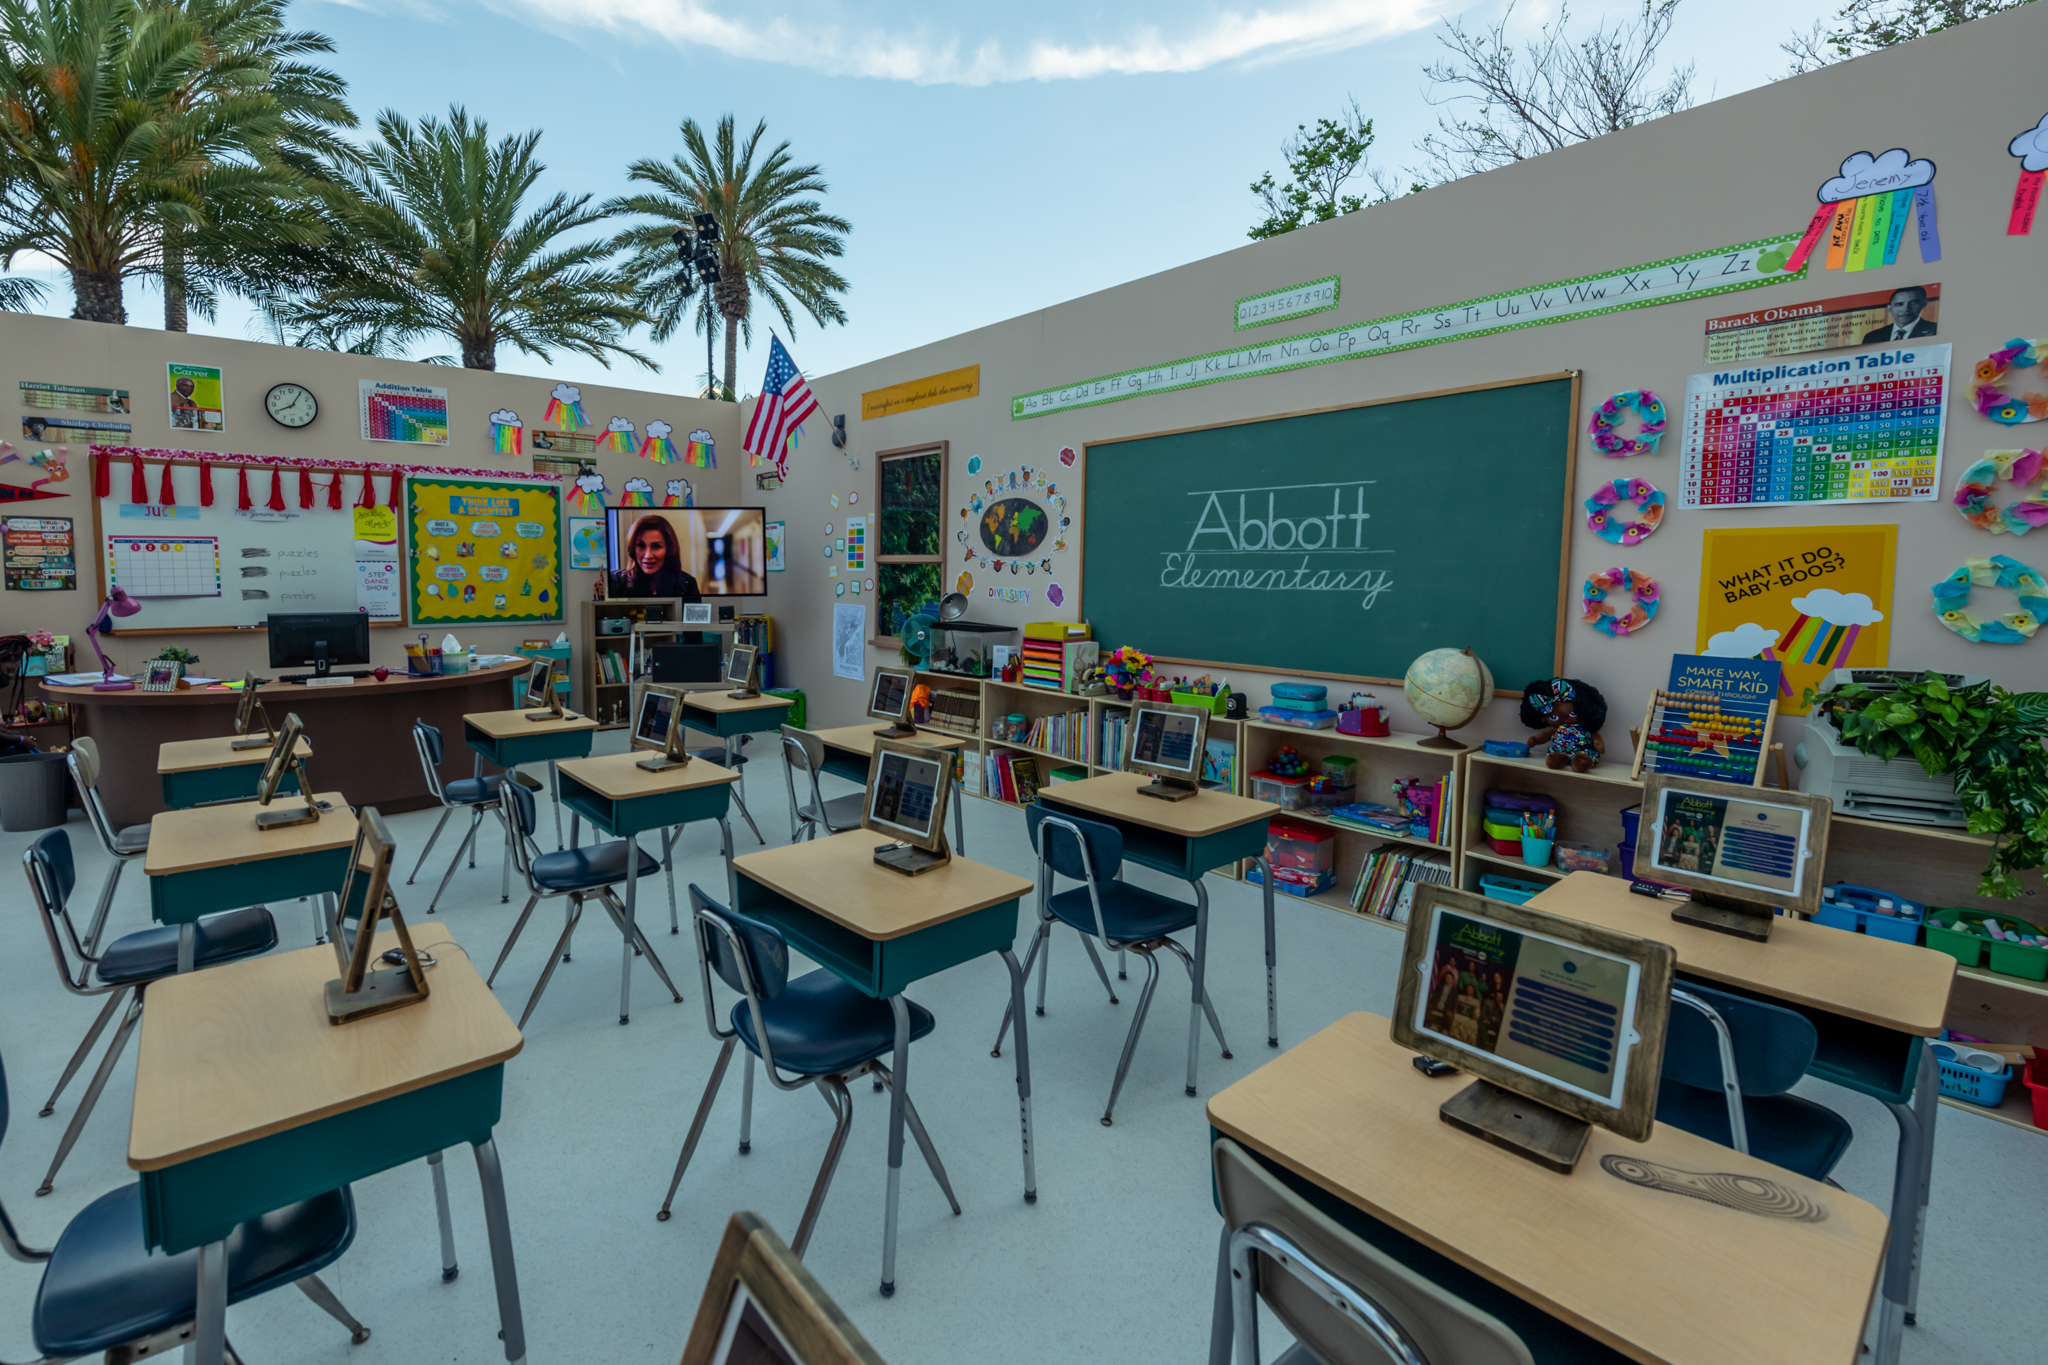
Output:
x,y
1862,26
775,236
1320,162
432,238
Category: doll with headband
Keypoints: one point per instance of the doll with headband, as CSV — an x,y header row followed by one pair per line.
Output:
x,y
1569,714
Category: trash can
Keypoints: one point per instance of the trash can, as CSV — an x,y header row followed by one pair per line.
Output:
x,y
795,714
31,792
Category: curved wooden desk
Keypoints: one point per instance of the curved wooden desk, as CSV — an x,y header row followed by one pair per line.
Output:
x,y
362,733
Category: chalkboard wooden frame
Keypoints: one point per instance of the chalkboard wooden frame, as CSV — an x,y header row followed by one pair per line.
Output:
x,y
1567,519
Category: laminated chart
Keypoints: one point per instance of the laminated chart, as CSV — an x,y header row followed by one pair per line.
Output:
x,y
410,413
188,566
1861,428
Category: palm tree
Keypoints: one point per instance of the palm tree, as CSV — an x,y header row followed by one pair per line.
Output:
x,y
429,240
122,120
772,238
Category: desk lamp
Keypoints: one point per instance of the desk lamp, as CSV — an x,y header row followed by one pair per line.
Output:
x,y
118,603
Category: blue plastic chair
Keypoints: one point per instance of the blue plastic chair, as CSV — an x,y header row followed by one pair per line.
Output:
x,y
579,874
475,794
104,1290
1728,1061
128,964
1123,916
818,1028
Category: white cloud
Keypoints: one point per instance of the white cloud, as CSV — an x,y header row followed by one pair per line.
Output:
x,y
679,487
590,483
1746,641
922,57
619,424
566,393
2031,147
701,436
505,417
1839,608
637,485
658,431
1866,174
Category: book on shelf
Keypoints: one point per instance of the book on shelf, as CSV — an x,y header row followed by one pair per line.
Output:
x,y
1387,879
1219,763
1064,735
1024,778
1114,724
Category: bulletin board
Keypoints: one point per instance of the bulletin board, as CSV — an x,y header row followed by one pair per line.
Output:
x,y
483,551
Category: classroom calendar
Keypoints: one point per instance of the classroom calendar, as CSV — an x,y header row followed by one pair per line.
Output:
x,y
1861,428
188,566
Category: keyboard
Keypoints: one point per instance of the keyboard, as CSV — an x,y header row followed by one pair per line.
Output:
x,y
332,673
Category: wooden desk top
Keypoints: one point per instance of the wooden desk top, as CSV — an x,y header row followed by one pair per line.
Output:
x,y
196,755
514,724
725,701
275,693
235,1053
860,739
619,777
1116,794
216,836
1893,985
1667,1278
838,878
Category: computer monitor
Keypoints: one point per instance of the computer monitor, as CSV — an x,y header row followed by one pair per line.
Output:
x,y
366,894
659,726
540,688
322,639
1741,851
1563,1022
661,551
1168,742
890,701
283,760
248,711
739,671
908,787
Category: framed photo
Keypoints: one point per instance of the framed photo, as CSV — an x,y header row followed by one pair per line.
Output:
x,y
696,613
775,537
587,545
761,1307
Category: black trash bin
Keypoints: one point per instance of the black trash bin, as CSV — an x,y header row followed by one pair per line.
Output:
x,y
32,792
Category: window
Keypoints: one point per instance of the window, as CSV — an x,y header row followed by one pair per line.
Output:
x,y
909,522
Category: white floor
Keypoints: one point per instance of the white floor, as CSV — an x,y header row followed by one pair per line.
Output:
x,y
1113,1263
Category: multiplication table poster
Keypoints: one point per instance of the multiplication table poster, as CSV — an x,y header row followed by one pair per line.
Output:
x,y
1860,428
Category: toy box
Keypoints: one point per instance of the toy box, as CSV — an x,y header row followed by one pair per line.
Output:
x,y
1308,848
1288,793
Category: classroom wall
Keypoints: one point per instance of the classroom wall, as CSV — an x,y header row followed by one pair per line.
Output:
x,y
1730,172
58,350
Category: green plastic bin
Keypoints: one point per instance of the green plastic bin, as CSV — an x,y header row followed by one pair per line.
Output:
x,y
1970,945
795,714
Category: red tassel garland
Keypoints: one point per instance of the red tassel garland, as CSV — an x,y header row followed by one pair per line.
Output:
x,y
368,497
102,476
334,493
276,503
205,484
138,489
305,488
395,477
242,502
170,497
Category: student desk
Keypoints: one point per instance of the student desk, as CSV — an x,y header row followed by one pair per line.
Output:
x,y
615,794
508,739
849,749
1873,1002
247,1099
879,930
199,772
1183,839
724,715
1654,1274
214,858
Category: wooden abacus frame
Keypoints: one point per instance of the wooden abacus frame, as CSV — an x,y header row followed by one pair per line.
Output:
x,y
1660,697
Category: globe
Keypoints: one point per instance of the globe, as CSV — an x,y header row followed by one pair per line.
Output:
x,y
1448,688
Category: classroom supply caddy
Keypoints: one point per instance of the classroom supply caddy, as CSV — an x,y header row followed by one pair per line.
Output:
x,y
1867,910
1964,936
1968,1074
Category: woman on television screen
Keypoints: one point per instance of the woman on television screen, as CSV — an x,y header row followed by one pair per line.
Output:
x,y
652,565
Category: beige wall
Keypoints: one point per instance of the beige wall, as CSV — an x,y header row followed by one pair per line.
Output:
x,y
1733,171
54,350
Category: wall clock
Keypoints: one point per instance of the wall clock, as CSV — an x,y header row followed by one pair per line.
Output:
x,y
291,405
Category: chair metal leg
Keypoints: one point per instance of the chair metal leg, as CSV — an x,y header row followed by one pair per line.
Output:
x,y
898,1090
1023,1074
99,915
92,1036
319,1293
1200,975
1222,1331
1121,974
739,799
1123,1065
446,811
468,842
511,1323
669,837
1043,931
1095,958
554,957
449,1269
476,818
210,1315
834,1091
1272,956
505,862
505,952
747,1106
92,1092
636,941
697,1123
1208,1005
931,1153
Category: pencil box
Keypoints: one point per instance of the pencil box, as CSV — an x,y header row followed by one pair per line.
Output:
x,y
1300,692
1296,704
1301,720
1501,799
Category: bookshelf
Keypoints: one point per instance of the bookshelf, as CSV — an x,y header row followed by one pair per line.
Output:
x,y
609,702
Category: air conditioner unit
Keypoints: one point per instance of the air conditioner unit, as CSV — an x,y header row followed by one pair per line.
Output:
x,y
1898,790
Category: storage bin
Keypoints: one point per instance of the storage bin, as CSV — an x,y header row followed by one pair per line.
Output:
x,y
1536,852
32,792
1629,816
1581,858
1288,793
1961,943
1311,848
1214,703
1960,934
1294,881
1628,859
2035,1078
1866,910
1513,890
1967,1082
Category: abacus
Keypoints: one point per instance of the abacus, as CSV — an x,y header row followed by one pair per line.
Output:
x,y
1705,735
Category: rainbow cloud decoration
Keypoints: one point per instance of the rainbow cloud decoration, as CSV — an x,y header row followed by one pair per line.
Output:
x,y
587,495
639,493
565,408
680,494
699,450
506,431
1865,212
657,446
1821,635
618,435
2031,147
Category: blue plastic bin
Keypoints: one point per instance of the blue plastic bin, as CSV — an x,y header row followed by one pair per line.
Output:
x,y
1513,890
1858,909
1967,1082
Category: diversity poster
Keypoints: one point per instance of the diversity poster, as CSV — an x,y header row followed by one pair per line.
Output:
x,y
1877,318
195,398
1809,598
483,551
40,555
73,397
411,414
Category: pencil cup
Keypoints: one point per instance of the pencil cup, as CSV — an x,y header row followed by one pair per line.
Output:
x,y
1536,852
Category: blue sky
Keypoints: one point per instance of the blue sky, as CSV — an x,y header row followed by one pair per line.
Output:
x,y
992,159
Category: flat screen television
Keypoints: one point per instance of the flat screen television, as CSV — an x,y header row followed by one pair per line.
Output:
x,y
724,550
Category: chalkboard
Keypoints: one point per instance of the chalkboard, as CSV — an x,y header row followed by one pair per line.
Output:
x,y
1341,543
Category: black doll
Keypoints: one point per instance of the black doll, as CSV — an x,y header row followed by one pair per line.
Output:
x,y
1566,714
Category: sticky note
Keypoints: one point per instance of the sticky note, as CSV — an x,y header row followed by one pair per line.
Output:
x,y
1839,234
1930,226
2025,196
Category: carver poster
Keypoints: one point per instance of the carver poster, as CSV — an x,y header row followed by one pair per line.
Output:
x,y
195,398
1809,598
483,551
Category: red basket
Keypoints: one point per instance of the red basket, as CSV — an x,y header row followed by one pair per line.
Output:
x,y
2037,1086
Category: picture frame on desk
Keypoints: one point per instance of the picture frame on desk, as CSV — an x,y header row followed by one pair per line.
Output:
x,y
762,1307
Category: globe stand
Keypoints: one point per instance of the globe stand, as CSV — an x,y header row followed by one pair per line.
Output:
x,y
1440,740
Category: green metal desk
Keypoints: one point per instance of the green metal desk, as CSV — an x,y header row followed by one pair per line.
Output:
x,y
879,930
623,799
308,1107
201,772
214,858
724,715
508,739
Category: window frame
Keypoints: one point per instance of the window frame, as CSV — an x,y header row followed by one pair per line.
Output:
x,y
943,449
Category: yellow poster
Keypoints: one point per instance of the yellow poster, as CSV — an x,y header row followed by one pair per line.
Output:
x,y
950,387
376,523
1812,598
484,550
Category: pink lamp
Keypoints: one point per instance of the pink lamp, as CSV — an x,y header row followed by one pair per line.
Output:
x,y
118,603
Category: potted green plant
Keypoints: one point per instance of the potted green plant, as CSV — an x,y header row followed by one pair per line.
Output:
x,y
1988,739
185,659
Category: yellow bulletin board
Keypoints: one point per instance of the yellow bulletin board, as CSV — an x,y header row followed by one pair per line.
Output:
x,y
484,550
1814,598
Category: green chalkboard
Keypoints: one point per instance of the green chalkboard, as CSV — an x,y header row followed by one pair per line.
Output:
x,y
1341,543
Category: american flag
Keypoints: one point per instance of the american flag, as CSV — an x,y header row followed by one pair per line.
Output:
x,y
784,403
